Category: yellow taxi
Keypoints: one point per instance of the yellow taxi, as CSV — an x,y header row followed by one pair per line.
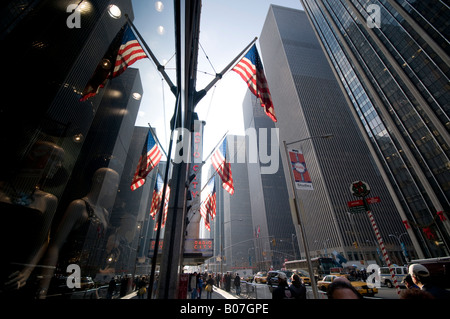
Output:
x,y
304,276
362,287
261,277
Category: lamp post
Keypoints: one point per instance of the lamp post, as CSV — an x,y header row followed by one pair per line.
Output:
x,y
297,210
221,241
401,244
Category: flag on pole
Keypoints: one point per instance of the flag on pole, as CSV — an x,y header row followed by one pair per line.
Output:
x,y
150,157
222,167
208,206
251,71
122,52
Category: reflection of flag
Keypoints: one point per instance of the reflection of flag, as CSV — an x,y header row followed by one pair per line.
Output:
x,y
122,52
166,208
157,196
252,72
208,206
150,157
339,258
301,174
129,52
222,167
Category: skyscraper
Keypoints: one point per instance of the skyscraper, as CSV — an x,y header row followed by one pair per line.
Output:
x,y
308,104
391,59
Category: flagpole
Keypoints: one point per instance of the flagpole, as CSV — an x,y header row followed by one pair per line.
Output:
x,y
157,140
200,94
161,209
160,67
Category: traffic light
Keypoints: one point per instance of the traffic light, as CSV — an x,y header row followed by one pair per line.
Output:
x,y
355,244
274,242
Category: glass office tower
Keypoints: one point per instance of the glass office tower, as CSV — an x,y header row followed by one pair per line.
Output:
x,y
391,59
309,103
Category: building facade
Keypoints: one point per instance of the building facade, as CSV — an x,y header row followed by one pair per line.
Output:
x,y
392,63
66,152
309,104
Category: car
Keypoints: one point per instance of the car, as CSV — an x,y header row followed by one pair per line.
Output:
x,y
86,283
360,286
261,277
272,277
386,278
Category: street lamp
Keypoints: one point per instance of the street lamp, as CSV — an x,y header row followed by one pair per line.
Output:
x,y
401,244
297,210
221,241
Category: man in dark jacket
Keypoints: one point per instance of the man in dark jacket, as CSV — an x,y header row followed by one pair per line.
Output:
x,y
282,291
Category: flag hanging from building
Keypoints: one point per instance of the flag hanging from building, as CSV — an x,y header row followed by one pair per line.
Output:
x,y
222,167
251,71
208,206
150,157
122,52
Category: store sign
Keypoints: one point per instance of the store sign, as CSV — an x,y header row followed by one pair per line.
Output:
x,y
205,247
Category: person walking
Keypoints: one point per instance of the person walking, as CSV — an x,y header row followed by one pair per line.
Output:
x,y
209,287
193,285
237,284
297,287
111,288
282,291
199,286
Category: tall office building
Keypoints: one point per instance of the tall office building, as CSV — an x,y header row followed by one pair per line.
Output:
x,y
271,214
391,59
308,103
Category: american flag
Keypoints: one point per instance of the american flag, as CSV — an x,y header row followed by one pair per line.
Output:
x,y
157,196
208,206
123,51
130,51
222,167
150,157
166,208
251,71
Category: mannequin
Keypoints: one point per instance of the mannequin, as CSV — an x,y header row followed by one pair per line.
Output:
x,y
27,213
85,220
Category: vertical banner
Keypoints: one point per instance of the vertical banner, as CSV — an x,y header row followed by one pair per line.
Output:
x,y
301,174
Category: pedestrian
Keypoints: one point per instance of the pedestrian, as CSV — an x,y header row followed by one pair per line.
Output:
x,y
415,293
421,277
408,282
193,285
341,288
199,286
111,288
227,282
297,287
209,287
282,291
237,284
142,288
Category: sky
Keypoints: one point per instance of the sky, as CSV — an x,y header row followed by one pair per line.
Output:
x,y
226,28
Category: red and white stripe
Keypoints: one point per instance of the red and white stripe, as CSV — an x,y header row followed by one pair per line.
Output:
x,y
257,83
383,250
128,53
224,170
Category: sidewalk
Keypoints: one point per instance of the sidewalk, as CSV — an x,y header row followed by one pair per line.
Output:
x,y
218,293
